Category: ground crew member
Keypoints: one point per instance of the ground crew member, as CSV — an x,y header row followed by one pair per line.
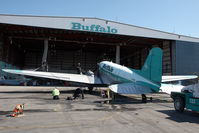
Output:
x,y
18,110
103,94
55,94
79,69
77,93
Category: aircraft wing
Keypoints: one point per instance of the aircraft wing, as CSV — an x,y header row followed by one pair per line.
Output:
x,y
130,88
176,78
58,76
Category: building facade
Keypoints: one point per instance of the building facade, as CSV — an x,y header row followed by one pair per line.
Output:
x,y
27,42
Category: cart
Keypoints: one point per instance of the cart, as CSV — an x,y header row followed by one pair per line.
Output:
x,y
185,100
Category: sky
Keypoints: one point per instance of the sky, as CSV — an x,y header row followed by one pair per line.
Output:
x,y
174,16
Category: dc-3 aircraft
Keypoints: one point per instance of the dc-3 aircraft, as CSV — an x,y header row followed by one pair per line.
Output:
x,y
119,79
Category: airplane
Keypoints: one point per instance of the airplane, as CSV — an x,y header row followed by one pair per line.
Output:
x,y
118,78
18,81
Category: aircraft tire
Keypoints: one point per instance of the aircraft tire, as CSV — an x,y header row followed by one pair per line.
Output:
x,y
144,98
90,90
112,95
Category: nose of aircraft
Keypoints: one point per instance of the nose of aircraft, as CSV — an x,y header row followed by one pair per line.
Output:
x,y
101,64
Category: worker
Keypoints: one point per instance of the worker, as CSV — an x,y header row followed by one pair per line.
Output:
x,y
79,69
103,94
77,93
18,110
55,94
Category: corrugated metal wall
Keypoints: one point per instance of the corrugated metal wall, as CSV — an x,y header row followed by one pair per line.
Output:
x,y
62,61
144,53
187,57
7,58
32,60
173,50
167,58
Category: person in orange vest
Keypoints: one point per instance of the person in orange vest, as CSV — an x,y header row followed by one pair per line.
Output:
x,y
18,110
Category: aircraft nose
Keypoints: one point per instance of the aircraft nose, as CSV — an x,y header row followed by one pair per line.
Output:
x,y
101,64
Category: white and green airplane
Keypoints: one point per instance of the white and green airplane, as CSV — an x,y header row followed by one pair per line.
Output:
x,y
119,79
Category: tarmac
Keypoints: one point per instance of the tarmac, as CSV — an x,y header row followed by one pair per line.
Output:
x,y
90,115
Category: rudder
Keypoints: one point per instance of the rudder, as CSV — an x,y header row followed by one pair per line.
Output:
x,y
152,68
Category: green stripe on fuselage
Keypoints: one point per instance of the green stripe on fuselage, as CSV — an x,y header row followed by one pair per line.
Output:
x,y
124,80
116,77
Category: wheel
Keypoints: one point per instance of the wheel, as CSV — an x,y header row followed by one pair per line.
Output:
x,y
151,99
90,90
144,98
112,95
179,104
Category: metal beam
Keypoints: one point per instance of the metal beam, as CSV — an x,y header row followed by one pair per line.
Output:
x,y
45,54
117,59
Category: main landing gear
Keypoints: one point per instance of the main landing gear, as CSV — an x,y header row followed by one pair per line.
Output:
x,y
90,90
144,98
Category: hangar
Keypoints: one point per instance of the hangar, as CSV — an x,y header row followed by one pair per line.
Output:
x,y
27,42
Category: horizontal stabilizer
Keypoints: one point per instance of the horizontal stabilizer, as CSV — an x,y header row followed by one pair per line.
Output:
x,y
168,88
177,78
130,88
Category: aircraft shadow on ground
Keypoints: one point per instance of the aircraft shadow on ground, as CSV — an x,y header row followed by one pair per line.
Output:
x,y
120,99
186,116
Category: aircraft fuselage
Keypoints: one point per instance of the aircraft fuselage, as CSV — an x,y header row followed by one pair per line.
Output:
x,y
122,74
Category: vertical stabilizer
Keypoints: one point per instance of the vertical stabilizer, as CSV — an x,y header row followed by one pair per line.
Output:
x,y
152,68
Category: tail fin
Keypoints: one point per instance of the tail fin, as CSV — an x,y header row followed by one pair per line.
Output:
x,y
152,68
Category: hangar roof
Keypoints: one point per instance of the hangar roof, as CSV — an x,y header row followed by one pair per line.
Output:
x,y
95,25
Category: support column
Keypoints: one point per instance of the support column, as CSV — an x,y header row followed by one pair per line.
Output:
x,y
117,58
45,55
1,63
1,46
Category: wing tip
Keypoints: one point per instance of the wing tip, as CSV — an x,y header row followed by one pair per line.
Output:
x,y
5,70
